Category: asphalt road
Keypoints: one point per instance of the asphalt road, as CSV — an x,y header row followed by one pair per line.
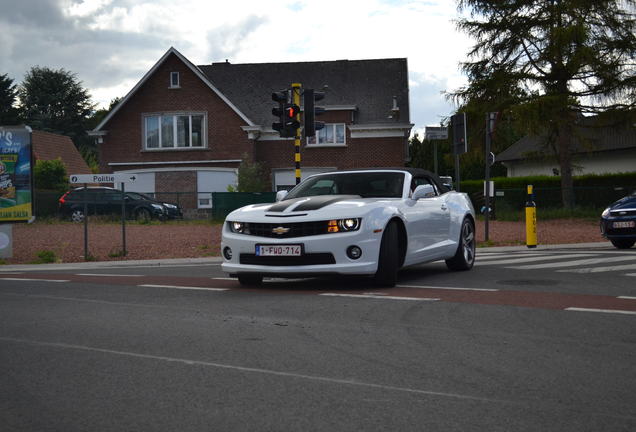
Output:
x,y
526,341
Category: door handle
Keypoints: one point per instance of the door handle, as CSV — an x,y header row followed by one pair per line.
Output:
x,y
444,207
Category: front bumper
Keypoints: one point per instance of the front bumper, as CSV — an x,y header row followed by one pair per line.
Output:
x,y
315,248
609,232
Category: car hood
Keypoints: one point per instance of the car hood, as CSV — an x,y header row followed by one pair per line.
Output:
x,y
315,207
624,203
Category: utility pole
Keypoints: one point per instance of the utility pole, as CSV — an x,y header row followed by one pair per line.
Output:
x,y
296,90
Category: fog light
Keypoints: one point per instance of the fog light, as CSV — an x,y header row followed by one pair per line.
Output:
x,y
227,253
354,252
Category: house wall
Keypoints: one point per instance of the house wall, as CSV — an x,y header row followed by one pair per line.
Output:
x,y
610,162
124,142
356,153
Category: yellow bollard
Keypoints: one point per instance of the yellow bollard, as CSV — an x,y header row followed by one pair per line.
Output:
x,y
531,220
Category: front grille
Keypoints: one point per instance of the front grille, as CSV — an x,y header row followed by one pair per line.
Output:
x,y
621,213
296,229
306,259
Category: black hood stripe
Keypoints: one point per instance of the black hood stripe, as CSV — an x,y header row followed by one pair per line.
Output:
x,y
310,203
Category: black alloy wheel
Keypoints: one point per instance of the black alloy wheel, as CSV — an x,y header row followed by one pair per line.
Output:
x,y
465,256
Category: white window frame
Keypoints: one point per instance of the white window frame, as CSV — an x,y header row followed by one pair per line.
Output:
x,y
172,80
329,144
175,115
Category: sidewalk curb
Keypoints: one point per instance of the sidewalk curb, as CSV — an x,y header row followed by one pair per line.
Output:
x,y
215,260
108,264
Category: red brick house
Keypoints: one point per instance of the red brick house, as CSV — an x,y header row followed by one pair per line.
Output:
x,y
50,146
186,128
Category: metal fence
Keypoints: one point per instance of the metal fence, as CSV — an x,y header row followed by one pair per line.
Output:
x,y
215,205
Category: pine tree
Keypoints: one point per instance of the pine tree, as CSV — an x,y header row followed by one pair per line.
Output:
x,y
551,62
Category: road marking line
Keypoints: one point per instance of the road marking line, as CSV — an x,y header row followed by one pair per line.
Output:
x,y
626,297
532,259
108,274
316,378
587,261
225,278
481,257
381,297
600,269
630,274
616,311
39,280
446,288
182,287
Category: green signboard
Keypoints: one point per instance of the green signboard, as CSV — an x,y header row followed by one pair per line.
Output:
x,y
16,185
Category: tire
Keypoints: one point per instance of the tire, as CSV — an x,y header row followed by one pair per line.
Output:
x,y
465,256
77,216
623,243
142,215
388,259
250,279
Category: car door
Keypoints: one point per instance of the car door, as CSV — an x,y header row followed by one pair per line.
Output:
x,y
429,220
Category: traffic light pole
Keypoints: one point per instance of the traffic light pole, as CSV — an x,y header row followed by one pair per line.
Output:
x,y
296,90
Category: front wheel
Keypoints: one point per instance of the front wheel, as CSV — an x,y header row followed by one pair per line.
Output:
x,y
77,216
465,256
388,260
142,215
623,243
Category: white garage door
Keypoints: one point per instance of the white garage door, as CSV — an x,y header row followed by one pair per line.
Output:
x,y
286,179
144,183
213,181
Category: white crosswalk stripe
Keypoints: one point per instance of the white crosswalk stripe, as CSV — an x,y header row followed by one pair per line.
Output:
x,y
532,259
602,269
565,261
582,262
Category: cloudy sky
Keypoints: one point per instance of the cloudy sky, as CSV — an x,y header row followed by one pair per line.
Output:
x,y
111,44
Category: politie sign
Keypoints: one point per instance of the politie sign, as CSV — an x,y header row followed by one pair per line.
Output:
x,y
16,179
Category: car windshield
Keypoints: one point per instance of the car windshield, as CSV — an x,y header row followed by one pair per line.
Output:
x,y
371,184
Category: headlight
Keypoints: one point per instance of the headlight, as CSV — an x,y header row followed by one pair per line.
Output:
x,y
239,227
157,206
342,225
606,212
172,206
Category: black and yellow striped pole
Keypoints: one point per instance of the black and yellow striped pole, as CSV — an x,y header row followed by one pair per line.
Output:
x,y
531,220
296,90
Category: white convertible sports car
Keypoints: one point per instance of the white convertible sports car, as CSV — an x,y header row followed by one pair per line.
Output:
x,y
359,222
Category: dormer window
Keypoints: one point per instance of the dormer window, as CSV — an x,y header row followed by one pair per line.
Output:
x,y
174,80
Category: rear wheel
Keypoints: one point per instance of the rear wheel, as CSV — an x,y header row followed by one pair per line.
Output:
x,y
388,260
623,243
465,256
77,216
250,279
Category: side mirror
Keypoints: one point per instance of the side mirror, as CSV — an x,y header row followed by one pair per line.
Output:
x,y
423,191
280,195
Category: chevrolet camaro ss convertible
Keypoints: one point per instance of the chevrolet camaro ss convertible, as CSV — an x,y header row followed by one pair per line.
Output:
x,y
367,222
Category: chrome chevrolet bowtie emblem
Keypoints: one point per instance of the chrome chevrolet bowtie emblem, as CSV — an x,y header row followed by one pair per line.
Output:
x,y
280,230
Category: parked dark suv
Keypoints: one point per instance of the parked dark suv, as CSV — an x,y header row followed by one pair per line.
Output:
x,y
107,201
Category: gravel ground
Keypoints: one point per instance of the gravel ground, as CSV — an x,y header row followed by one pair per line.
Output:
x,y
191,240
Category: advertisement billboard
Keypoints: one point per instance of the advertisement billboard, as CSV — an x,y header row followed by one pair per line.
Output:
x,y
16,178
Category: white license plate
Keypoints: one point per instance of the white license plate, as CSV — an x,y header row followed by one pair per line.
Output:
x,y
627,224
278,250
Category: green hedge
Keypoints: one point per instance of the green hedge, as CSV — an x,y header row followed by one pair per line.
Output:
x,y
590,191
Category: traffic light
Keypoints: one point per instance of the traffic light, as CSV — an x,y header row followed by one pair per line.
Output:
x,y
460,142
311,111
282,97
291,123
